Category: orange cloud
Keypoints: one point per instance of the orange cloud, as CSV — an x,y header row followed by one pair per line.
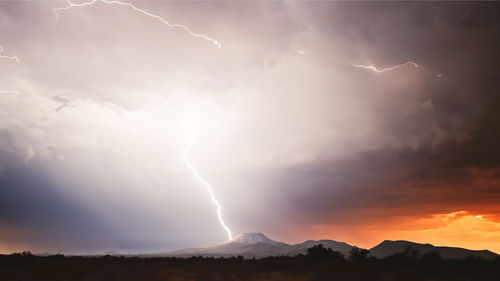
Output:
x,y
462,228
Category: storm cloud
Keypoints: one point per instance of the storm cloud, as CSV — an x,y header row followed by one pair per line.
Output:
x,y
93,121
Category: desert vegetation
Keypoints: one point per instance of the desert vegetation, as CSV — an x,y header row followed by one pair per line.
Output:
x,y
318,264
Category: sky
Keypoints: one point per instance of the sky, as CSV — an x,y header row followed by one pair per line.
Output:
x,y
350,121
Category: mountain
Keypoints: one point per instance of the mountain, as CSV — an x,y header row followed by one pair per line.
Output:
x,y
257,245
247,245
342,247
388,248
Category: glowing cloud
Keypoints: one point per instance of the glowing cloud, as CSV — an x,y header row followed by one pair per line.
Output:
x,y
10,92
192,127
164,21
113,148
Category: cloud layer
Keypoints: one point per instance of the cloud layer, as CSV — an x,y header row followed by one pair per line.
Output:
x,y
95,118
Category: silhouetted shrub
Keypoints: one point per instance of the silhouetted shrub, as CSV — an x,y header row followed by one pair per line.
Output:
x,y
23,254
319,263
357,254
319,252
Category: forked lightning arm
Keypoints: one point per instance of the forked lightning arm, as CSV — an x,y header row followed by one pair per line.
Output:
x,y
129,5
371,67
16,58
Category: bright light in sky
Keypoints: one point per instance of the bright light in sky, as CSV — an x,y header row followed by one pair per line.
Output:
x,y
194,119
191,125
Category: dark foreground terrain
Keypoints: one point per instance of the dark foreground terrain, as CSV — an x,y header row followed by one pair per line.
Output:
x,y
318,264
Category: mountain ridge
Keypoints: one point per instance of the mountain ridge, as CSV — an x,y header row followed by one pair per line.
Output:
x,y
257,245
391,247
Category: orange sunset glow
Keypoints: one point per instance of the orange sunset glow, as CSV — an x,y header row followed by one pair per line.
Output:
x,y
461,229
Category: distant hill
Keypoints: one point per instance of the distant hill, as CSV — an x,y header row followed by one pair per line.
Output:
x,y
388,248
342,247
257,245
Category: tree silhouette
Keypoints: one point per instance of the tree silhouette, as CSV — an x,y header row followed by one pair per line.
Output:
x,y
357,254
319,252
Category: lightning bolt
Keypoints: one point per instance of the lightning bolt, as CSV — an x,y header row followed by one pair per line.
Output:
x,y
192,140
371,67
15,58
131,6
205,184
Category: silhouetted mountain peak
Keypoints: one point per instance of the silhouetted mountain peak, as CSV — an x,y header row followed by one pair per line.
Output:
x,y
389,247
341,247
252,238
258,245
404,242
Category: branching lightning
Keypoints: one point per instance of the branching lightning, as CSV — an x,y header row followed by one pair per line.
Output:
x,y
192,136
15,58
129,5
371,67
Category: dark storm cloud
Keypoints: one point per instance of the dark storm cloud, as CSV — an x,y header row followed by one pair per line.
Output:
x,y
62,102
402,183
29,200
41,213
459,44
